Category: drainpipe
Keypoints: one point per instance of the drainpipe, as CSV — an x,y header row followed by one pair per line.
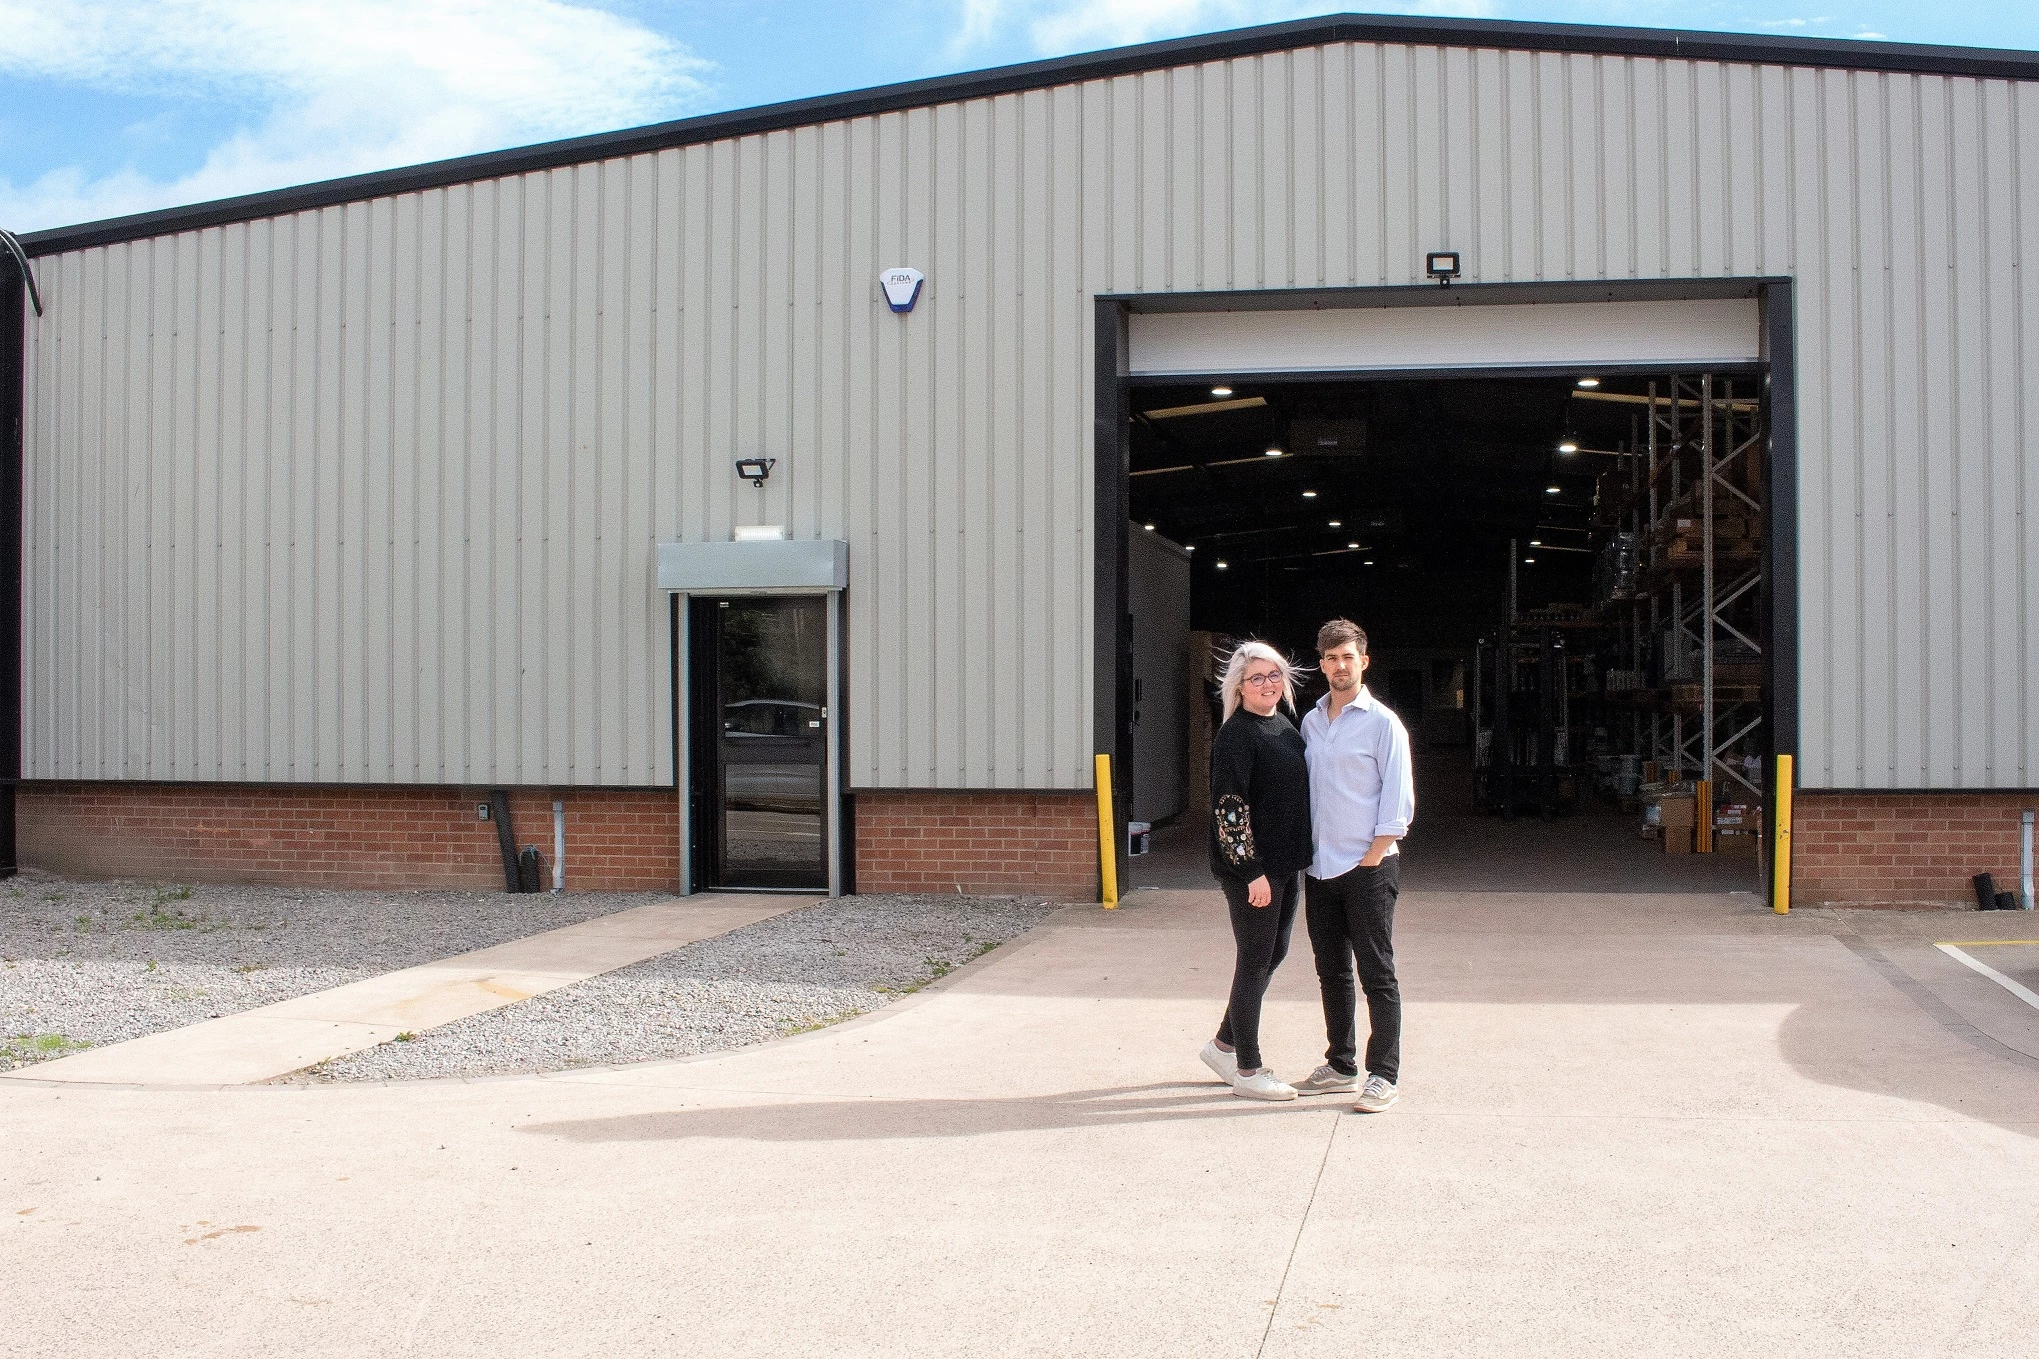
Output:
x,y
2025,862
558,847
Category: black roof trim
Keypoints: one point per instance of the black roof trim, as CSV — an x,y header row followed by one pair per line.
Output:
x,y
1842,53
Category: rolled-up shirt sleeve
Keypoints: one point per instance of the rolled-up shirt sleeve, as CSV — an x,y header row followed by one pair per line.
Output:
x,y
1398,782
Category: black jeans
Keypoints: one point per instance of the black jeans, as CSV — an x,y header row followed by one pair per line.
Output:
x,y
1352,918
1262,934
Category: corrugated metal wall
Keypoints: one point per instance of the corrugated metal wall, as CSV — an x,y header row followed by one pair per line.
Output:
x,y
369,493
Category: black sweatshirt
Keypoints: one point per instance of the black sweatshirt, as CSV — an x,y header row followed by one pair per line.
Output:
x,y
1260,799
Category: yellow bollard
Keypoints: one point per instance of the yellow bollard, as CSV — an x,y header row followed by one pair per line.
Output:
x,y
1107,844
1780,839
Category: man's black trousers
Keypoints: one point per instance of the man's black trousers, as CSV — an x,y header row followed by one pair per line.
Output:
x,y
1352,920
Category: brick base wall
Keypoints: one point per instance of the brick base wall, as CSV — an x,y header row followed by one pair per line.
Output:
x,y
1036,844
616,839
1902,849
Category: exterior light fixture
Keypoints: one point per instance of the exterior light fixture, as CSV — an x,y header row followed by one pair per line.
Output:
x,y
1569,446
1274,452
1337,523
1309,495
1148,527
1533,542
1442,265
1552,490
1189,547
1529,561
1367,562
1221,391
1222,564
755,470
1589,382
1353,546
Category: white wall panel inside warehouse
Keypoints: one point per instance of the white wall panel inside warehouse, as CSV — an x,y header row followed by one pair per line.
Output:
x,y
369,493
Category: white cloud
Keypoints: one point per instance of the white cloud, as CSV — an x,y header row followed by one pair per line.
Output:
x,y
1060,26
338,87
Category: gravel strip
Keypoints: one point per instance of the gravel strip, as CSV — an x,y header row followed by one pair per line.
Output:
x,y
84,964
802,970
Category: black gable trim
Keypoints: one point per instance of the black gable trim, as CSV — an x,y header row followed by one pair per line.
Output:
x,y
1845,54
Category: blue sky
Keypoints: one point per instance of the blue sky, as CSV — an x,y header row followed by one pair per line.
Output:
x,y
117,106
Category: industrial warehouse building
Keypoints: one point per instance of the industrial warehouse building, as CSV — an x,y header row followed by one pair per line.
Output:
x,y
1660,402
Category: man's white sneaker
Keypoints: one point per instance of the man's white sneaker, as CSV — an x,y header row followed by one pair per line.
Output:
x,y
1225,1065
1263,1084
1375,1098
1327,1080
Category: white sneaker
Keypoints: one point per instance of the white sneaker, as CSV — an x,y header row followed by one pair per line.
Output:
x,y
1375,1098
1327,1080
1224,1064
1263,1084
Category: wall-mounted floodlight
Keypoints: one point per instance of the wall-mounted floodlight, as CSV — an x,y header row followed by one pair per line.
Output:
x,y
755,470
1442,265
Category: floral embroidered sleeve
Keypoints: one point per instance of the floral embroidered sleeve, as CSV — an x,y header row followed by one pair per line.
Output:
x,y
1231,805
1235,830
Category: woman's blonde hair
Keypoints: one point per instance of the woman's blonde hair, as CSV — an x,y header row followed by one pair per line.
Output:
x,y
1243,655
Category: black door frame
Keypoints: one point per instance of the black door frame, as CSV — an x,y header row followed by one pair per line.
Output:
x,y
695,761
1112,635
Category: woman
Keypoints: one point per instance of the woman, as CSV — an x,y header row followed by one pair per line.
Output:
x,y
1260,844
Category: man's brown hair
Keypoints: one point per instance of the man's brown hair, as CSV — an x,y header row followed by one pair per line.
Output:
x,y
1338,632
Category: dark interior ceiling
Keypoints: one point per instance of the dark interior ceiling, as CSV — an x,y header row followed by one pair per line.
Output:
x,y
1413,505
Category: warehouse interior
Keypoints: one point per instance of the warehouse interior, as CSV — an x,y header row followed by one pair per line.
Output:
x,y
1532,556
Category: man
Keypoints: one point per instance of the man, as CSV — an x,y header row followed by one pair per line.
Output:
x,y
1362,797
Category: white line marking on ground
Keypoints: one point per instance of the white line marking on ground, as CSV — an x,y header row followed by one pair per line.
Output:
x,y
2022,992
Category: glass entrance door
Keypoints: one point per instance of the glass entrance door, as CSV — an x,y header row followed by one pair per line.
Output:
x,y
761,741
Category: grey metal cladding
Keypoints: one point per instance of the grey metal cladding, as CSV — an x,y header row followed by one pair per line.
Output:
x,y
370,492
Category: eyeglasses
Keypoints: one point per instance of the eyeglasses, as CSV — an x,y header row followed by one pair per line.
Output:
x,y
1272,677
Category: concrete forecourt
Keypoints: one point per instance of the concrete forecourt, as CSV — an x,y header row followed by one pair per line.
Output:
x,y
1633,1125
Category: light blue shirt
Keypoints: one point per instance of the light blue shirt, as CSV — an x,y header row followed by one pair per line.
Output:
x,y
1361,785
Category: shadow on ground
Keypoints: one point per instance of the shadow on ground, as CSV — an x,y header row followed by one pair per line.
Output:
x,y
881,1119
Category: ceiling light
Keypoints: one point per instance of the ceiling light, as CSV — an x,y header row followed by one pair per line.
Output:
x,y
1552,490
1337,523
1309,495
1589,382
1227,391
1274,452
1569,446
1148,527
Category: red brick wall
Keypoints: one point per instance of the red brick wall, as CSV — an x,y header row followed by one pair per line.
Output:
x,y
616,839
1038,844
1902,849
